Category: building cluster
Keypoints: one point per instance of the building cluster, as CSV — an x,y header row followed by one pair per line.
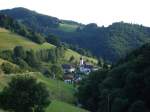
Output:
x,y
74,74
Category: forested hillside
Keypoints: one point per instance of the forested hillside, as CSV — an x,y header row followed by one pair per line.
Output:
x,y
110,43
124,88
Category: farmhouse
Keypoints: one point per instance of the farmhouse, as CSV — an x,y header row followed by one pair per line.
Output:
x,y
68,78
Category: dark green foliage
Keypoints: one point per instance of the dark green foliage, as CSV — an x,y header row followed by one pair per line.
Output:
x,y
60,52
125,88
110,43
78,49
51,55
38,22
33,19
100,62
19,52
48,73
17,27
9,68
24,94
138,106
88,90
32,59
71,59
22,63
53,40
7,55
119,105
56,71
36,37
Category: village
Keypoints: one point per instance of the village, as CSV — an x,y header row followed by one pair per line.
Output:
x,y
74,74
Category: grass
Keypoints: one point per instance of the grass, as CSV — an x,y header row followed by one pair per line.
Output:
x,y
58,89
9,40
77,56
62,94
59,103
58,106
68,27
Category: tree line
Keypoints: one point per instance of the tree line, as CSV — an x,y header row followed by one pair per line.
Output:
x,y
33,60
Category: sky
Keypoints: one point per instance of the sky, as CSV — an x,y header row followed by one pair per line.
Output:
x,y
102,12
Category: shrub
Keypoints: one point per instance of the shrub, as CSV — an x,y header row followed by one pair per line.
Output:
x,y
24,94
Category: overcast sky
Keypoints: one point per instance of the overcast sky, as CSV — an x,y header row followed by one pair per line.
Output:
x,y
102,12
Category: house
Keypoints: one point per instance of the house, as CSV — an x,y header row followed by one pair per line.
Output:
x,y
68,78
68,68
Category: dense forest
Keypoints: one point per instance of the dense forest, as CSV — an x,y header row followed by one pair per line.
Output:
x,y
124,88
118,39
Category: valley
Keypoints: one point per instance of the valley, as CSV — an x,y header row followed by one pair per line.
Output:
x,y
49,64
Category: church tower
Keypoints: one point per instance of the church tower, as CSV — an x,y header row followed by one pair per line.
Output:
x,y
81,61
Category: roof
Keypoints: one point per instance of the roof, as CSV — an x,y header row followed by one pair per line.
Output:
x,y
68,77
88,66
66,66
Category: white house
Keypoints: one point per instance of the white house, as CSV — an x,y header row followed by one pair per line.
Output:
x,y
68,68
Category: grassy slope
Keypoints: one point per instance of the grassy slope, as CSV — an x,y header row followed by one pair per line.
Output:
x,y
57,105
55,87
9,40
77,56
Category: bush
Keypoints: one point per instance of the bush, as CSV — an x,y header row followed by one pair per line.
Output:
x,y
56,71
23,64
9,68
24,94
7,55
19,51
